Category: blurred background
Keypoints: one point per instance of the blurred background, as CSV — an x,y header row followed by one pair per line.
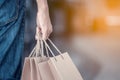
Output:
x,y
89,30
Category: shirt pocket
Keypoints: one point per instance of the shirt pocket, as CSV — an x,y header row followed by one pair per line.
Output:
x,y
8,11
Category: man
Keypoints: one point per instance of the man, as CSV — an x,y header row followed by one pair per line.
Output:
x,y
12,34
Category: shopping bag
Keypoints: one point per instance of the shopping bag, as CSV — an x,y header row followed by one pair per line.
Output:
x,y
43,67
36,67
62,66
45,71
30,69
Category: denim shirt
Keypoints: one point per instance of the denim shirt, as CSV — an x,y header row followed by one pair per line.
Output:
x,y
11,38
8,11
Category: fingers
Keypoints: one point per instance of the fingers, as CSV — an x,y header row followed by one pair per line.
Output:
x,y
43,33
46,33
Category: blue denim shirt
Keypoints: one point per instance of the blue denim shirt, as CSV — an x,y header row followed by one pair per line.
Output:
x,y
8,11
11,38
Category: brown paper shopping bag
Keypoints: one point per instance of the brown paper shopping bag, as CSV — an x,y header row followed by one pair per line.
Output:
x,y
36,66
30,68
45,71
62,66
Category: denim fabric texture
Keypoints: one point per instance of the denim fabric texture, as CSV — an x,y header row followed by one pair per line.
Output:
x,y
11,38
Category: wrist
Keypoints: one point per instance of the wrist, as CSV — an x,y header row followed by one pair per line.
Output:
x,y
42,5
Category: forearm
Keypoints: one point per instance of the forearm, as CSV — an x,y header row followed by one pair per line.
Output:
x,y
42,5
43,13
43,19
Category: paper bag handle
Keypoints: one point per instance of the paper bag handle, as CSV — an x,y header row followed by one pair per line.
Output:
x,y
54,47
39,49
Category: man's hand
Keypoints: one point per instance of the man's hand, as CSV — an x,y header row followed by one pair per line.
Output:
x,y
44,27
